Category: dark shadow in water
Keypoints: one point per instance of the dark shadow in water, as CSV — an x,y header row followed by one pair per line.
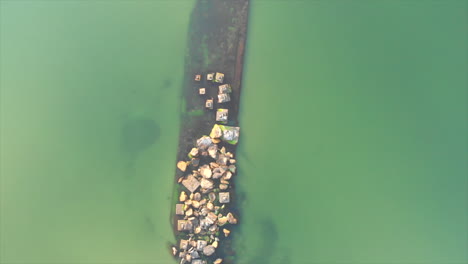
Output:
x,y
139,134
167,83
268,251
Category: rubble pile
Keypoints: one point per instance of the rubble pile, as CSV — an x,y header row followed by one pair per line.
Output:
x,y
202,211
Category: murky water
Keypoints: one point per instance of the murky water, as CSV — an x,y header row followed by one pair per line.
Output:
x,y
89,125
354,133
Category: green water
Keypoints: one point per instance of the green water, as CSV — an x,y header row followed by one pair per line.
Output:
x,y
89,126
354,133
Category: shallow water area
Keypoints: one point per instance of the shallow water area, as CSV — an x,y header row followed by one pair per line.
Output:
x,y
353,141
89,123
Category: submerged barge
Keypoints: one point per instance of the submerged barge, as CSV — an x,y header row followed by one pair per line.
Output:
x,y
204,200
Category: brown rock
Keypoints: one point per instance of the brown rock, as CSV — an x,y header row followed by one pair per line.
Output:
x,y
182,165
182,196
226,232
232,220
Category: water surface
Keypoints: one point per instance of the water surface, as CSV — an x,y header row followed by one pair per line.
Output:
x,y
354,133
89,124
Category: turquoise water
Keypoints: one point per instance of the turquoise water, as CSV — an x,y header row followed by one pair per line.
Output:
x,y
88,129
354,133
353,146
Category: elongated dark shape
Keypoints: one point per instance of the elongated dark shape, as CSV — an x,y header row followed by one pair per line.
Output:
x,y
216,44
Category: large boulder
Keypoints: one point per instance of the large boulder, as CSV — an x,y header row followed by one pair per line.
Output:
x,y
213,151
191,183
201,244
224,197
209,250
232,220
204,142
206,184
205,172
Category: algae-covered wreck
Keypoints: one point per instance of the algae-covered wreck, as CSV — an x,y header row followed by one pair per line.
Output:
x,y
205,214
202,207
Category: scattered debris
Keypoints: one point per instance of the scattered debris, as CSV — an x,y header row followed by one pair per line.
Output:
x,y
210,76
223,98
219,77
209,103
222,115
201,214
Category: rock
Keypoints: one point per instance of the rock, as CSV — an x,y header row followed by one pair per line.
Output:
x,y
189,212
188,202
206,184
183,245
232,161
202,202
224,182
231,219
216,132
183,196
212,196
188,257
204,142
179,209
180,179
194,254
191,183
210,206
211,218
213,228
209,250
222,220
182,255
213,165
182,165
218,261
197,230
198,261
224,197
197,196
193,153
222,160
223,150
196,204
201,244
217,175
205,172
227,176
195,162
174,251
226,232
216,140
213,151
184,225
223,186
215,244
204,211
232,168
